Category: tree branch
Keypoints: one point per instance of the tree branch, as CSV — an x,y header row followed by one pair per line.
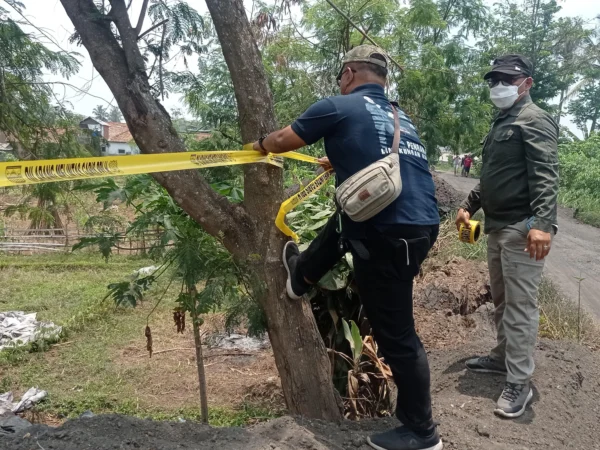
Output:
x,y
160,64
62,83
128,35
152,28
140,23
244,62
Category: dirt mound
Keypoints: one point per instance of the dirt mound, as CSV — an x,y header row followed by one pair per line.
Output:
x,y
564,414
458,287
453,303
448,198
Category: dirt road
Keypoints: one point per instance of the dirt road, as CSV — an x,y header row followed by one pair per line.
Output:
x,y
575,252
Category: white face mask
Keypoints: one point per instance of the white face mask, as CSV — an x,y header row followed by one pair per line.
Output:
x,y
505,96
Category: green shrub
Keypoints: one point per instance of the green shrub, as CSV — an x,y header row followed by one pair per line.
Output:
x,y
580,178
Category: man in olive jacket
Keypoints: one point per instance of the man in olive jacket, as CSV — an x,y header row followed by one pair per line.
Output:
x,y
517,191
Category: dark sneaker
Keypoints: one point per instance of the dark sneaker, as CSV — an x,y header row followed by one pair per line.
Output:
x,y
514,400
295,287
485,364
402,438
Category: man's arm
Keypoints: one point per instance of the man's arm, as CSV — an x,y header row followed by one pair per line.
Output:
x,y
469,207
540,137
473,202
281,141
311,126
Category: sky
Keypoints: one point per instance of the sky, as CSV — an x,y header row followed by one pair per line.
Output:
x,y
51,18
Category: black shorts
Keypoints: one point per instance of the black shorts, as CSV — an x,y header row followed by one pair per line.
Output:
x,y
467,169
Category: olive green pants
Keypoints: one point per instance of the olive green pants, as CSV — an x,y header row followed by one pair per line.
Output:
x,y
514,281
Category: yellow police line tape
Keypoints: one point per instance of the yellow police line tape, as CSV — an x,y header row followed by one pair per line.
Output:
x,y
20,173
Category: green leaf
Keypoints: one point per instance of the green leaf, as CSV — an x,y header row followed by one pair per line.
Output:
x,y
104,242
352,335
358,343
348,335
293,214
129,293
324,213
333,280
318,225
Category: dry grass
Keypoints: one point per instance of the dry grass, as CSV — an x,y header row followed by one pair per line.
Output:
x,y
560,317
170,379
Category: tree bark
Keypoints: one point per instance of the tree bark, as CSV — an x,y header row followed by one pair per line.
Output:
x,y
248,230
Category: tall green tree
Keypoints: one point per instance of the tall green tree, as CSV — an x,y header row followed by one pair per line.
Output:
x,y
29,116
114,114
33,120
441,87
556,47
100,112
585,108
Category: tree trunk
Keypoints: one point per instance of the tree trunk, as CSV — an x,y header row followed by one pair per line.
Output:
x,y
199,360
300,353
248,230
594,122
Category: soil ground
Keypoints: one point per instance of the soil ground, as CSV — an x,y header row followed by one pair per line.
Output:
x,y
575,252
565,414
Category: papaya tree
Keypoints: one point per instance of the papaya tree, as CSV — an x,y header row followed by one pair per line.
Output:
x,y
128,55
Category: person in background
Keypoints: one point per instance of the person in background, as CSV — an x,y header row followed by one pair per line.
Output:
x,y
462,165
518,192
467,165
358,128
456,163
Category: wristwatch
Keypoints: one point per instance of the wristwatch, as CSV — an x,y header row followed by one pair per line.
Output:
x,y
260,143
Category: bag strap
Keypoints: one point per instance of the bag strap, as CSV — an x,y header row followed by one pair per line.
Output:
x,y
396,142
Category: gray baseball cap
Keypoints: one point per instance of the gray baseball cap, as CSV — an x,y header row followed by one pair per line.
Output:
x,y
365,53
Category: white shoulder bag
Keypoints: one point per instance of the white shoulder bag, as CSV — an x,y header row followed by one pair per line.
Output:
x,y
367,192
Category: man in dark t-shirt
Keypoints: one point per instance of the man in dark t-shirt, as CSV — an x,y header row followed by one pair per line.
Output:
x,y
388,249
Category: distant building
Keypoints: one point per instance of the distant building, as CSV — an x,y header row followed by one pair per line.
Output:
x,y
116,137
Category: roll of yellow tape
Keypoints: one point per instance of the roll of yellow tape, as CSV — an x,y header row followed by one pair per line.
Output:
x,y
470,235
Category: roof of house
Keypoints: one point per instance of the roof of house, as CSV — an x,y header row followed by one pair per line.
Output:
x,y
91,119
118,132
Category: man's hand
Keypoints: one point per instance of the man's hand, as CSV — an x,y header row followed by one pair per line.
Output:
x,y
325,164
462,218
256,146
538,244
